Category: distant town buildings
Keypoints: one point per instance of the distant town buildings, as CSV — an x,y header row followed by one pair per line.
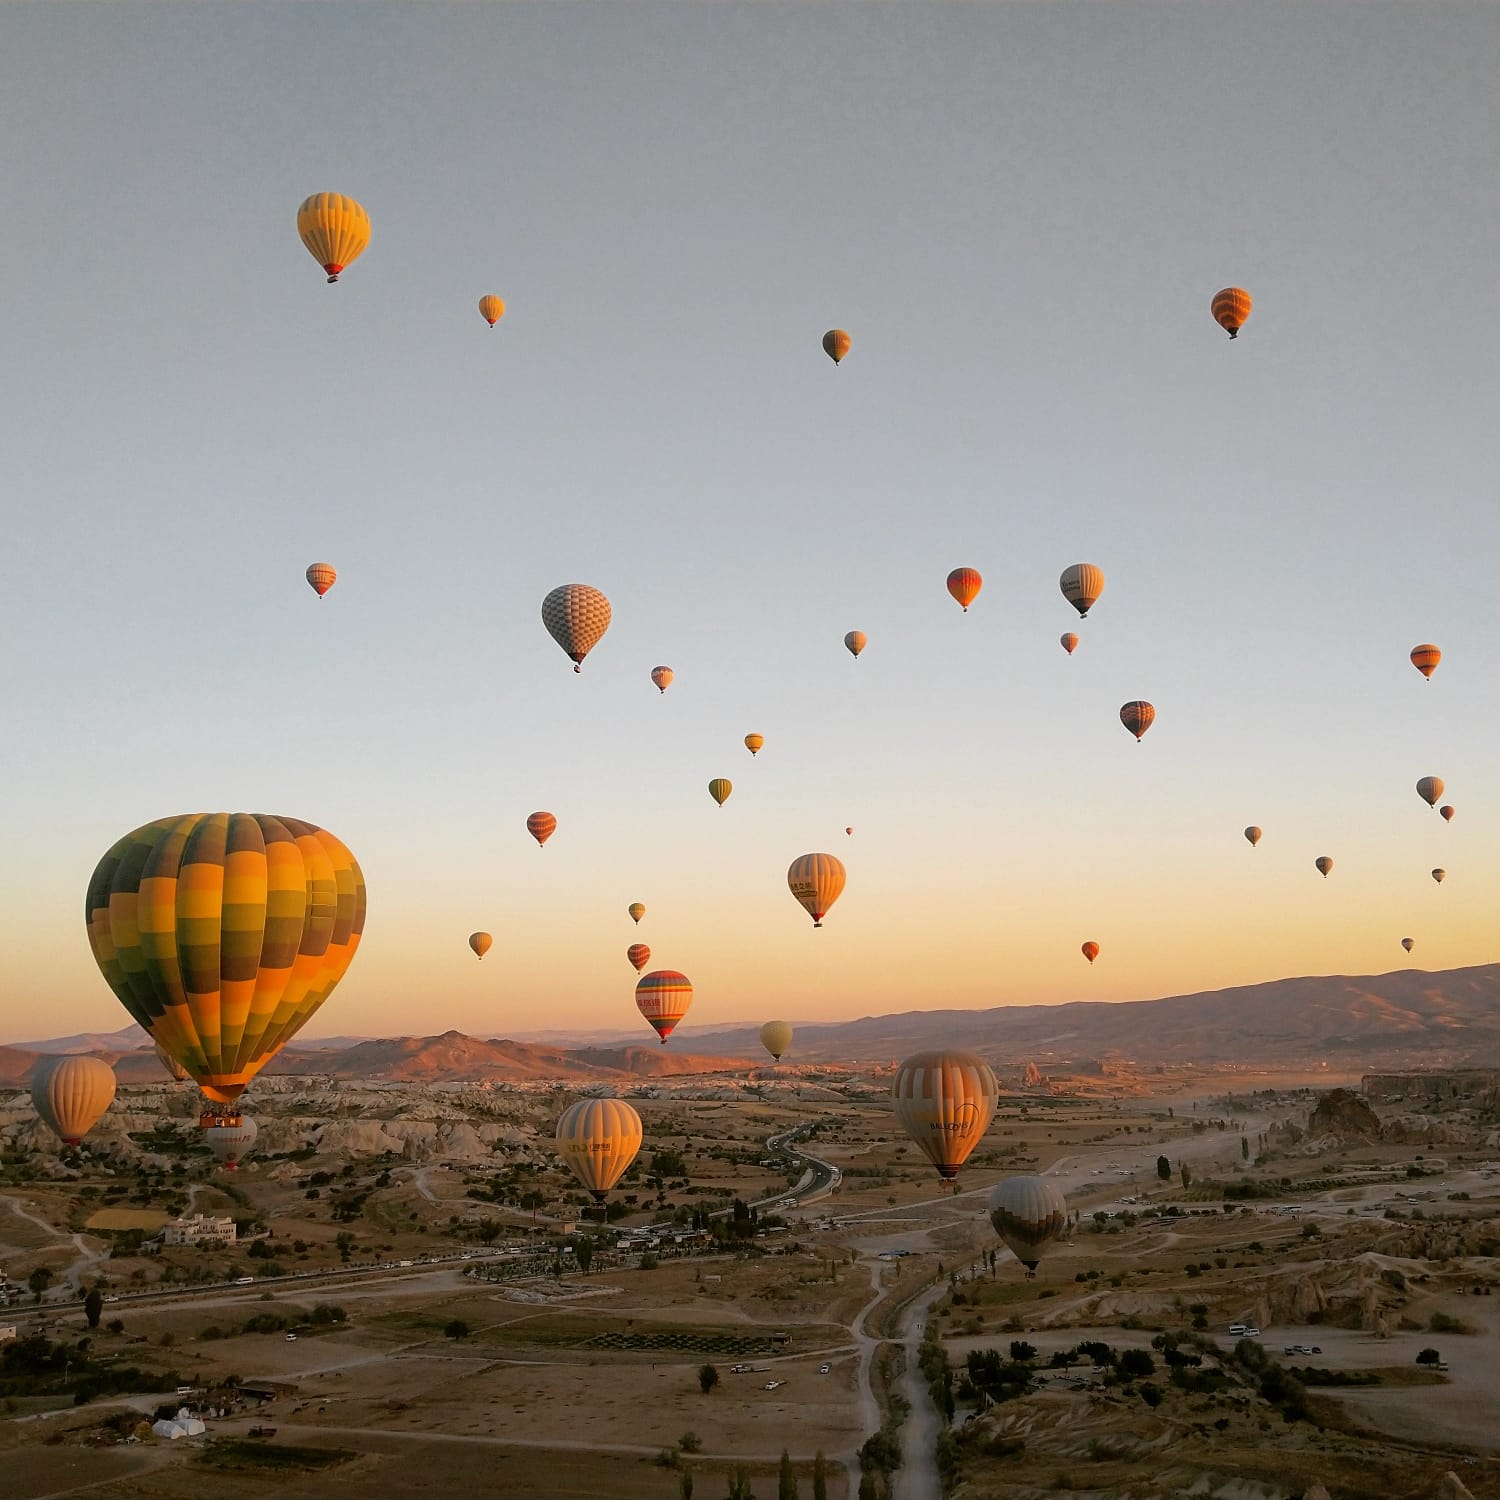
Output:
x,y
198,1229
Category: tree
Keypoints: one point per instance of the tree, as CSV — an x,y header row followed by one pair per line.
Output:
x,y
456,1329
739,1484
1244,1148
708,1378
1020,1349
39,1280
820,1476
867,1486
1429,1357
1136,1362
786,1480
583,1253
1163,1169
685,1484
93,1305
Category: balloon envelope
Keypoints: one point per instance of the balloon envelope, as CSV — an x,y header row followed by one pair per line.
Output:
x,y
1030,1215
322,577
753,742
1324,865
491,309
964,584
776,1037
662,677
1253,834
222,934
817,881
598,1139
231,1141
170,1063
1439,876
720,788
1425,659
1138,717
1230,308
639,955
855,642
480,943
576,616
70,1093
636,910
1069,642
1081,586
541,826
1408,943
663,996
945,1102
1446,812
835,344
335,230
1429,789
1090,951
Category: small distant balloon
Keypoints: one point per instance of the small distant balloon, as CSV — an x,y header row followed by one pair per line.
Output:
x,y
1445,812
1090,951
1069,642
849,831
753,742
231,1140
541,826
720,788
1429,789
480,943
1253,834
662,677
817,881
1408,943
1425,659
1081,586
335,230
70,1092
1138,717
639,955
322,577
964,584
1324,865
170,1063
636,910
1231,307
776,1037
1439,876
663,998
576,616
491,309
855,642
836,344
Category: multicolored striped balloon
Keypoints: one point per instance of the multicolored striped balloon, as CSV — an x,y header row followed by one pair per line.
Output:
x,y
664,997
639,955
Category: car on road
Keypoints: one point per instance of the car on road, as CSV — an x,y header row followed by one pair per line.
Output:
x,y
291,1338
824,1369
771,1385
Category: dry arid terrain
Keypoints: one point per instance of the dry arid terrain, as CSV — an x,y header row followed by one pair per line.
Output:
x,y
464,1326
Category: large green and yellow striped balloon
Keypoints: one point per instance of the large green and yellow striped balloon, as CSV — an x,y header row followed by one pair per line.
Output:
x,y
222,933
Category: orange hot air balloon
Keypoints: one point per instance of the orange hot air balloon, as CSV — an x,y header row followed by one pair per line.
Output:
x,y
335,230
637,911
1446,812
835,344
662,677
964,584
1425,659
1138,717
1429,789
491,309
70,1092
322,577
945,1102
720,788
1324,865
1069,642
1408,943
541,826
1253,834
663,996
849,830
639,955
1090,951
753,742
480,943
1439,875
1231,308
854,642
817,881
598,1139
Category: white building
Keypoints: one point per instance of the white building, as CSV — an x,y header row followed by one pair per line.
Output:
x,y
198,1229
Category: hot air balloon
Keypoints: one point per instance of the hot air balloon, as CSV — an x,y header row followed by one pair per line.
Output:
x,y
170,1063
1138,717
541,826
849,831
69,1094
1081,586
222,934
776,1037
753,742
662,677
964,584
598,1139
1090,951
1030,1215
230,1138
1324,865
817,881
335,230
1445,812
854,642
639,955
663,996
576,617
720,788
1230,308
322,577
1253,834
1429,789
1408,943
1069,642
480,943
491,309
636,911
835,344
1425,659
945,1102
1439,876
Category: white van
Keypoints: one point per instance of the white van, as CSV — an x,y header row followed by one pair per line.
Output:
x,y
1237,1330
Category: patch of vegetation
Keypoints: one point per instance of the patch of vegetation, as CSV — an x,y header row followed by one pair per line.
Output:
x,y
232,1455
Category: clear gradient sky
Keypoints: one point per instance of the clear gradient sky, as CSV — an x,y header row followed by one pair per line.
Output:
x,y
1020,213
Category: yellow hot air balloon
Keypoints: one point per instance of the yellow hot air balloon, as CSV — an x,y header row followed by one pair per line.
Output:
x,y
662,677
322,577
335,230
1445,812
1138,717
1324,865
1030,1215
70,1093
817,881
1090,951
964,584
720,788
1081,586
637,911
664,997
1439,876
753,742
945,1102
854,642
230,1138
480,943
491,309
1069,642
1425,659
541,826
576,616
1429,789
1253,834
222,934
835,344
170,1063
639,955
776,1037
1230,308
598,1139
1408,943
